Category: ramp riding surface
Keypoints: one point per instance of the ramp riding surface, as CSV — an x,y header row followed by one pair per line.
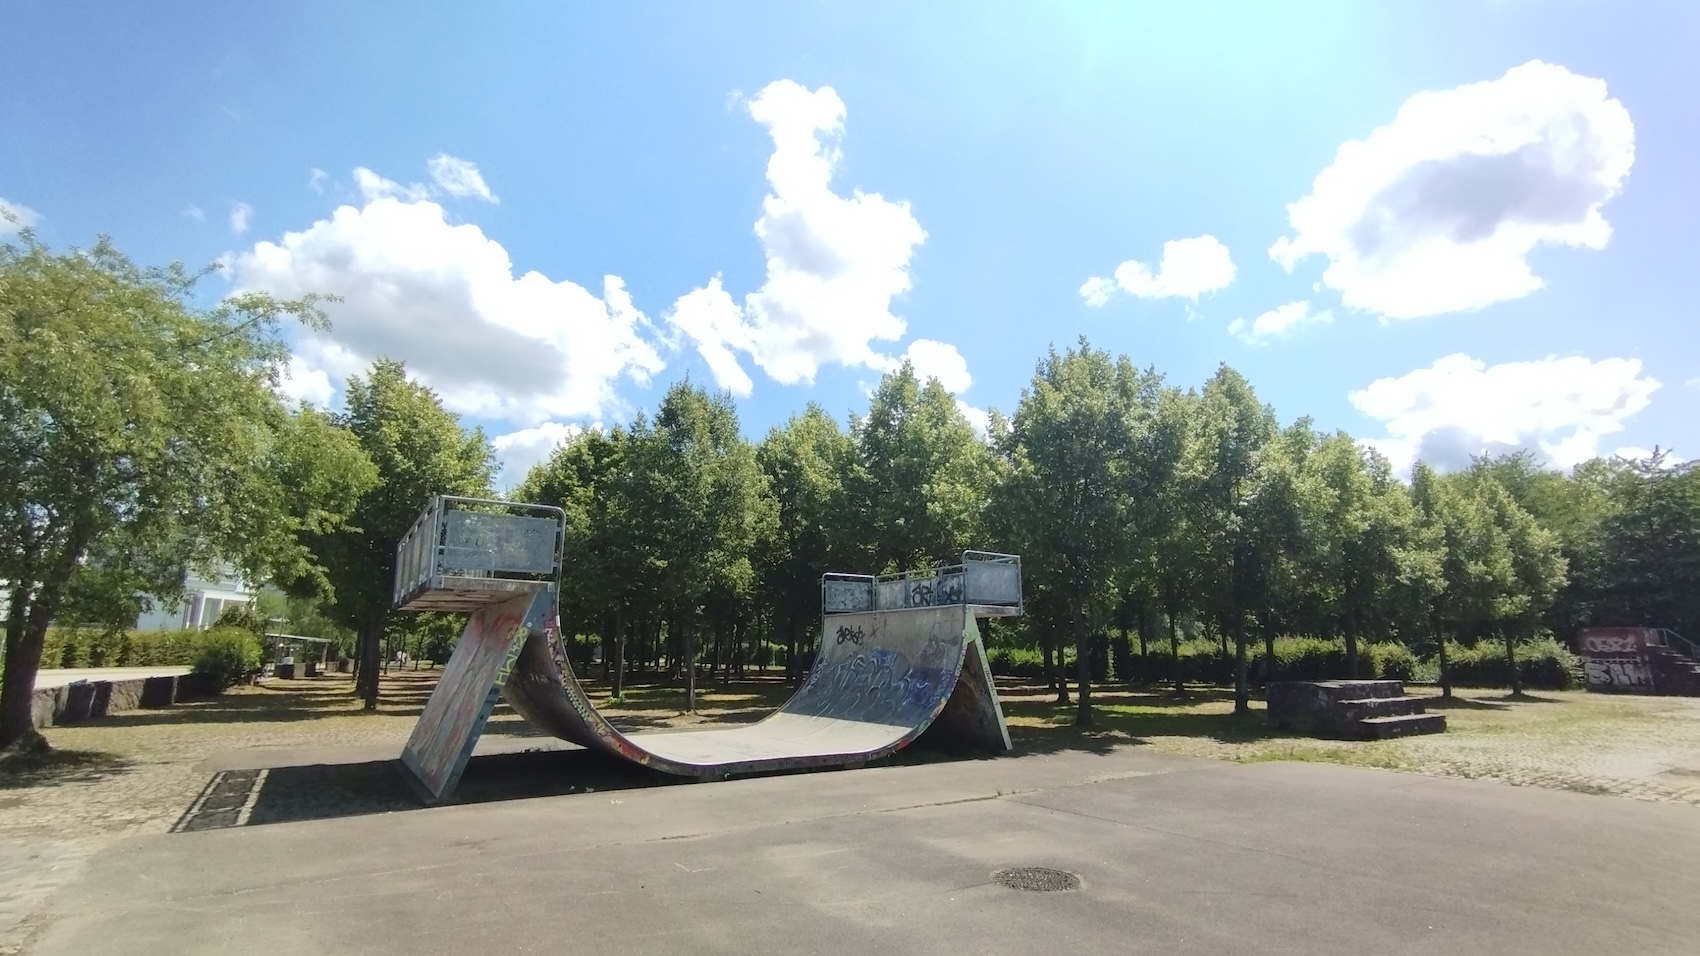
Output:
x,y
881,680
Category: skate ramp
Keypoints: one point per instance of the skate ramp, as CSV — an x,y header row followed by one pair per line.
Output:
x,y
881,680
901,656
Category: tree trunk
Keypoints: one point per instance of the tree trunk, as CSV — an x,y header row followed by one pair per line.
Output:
x,y
1082,670
1511,661
1062,666
24,645
1351,645
371,646
793,637
690,661
1145,642
1046,657
1242,679
617,654
1268,654
1445,669
1175,655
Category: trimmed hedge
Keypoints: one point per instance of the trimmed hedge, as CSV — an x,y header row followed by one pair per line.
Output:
x,y
88,647
1542,664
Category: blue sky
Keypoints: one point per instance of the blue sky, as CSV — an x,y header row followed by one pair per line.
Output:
x,y
792,196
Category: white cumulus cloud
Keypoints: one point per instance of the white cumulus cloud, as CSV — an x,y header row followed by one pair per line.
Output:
x,y
940,360
444,298
373,186
1189,268
240,215
1278,320
1461,406
301,382
1637,453
15,217
522,449
1438,210
459,178
834,262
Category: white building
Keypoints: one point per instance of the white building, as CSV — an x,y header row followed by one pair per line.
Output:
x,y
203,601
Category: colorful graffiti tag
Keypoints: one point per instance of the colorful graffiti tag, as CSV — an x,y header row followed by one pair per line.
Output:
x,y
442,741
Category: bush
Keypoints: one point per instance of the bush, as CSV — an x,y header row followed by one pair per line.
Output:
x,y
1024,662
226,655
1542,664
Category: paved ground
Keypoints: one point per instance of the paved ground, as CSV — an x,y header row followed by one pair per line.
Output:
x,y
300,753
59,677
1175,855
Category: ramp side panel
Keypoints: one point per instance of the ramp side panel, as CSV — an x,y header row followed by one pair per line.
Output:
x,y
448,728
973,716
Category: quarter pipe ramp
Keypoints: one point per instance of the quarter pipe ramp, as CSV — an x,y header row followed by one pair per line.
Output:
x,y
900,657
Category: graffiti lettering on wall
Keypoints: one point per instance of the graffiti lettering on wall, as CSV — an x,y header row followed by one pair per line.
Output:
x,y
1624,673
853,635
1611,644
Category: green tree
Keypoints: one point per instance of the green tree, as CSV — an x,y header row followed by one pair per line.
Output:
x,y
1231,428
1641,563
141,438
419,450
608,564
706,503
920,493
1070,493
806,462
1365,536
1537,570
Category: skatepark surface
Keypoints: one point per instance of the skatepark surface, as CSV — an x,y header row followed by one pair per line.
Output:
x,y
1174,855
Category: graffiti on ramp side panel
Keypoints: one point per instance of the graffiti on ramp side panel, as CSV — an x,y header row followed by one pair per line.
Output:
x,y
1624,673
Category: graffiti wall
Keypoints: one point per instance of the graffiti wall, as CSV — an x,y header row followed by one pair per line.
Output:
x,y
442,741
1594,641
1623,673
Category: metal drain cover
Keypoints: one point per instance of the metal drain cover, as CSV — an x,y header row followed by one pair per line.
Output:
x,y
1041,879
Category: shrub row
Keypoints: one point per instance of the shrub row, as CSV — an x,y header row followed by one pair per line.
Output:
x,y
88,647
1542,664
225,653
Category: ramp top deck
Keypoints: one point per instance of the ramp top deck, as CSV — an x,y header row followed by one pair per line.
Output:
x,y
465,553
987,582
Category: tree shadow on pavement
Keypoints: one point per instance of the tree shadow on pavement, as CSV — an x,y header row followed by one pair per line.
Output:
x,y
58,768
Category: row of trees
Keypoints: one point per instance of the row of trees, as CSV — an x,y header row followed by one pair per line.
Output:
x,y
1133,503
142,437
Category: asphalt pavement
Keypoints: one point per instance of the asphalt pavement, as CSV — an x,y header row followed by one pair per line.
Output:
x,y
1173,856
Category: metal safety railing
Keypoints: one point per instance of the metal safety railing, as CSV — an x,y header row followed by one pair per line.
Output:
x,y
1664,637
456,537
983,578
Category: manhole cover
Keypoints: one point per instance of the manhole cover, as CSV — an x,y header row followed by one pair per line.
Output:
x,y
1040,878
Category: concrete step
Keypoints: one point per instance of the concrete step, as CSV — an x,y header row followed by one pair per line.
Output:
x,y
1352,710
1381,728
1340,690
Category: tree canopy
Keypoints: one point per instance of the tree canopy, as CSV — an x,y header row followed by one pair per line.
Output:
x,y
142,438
